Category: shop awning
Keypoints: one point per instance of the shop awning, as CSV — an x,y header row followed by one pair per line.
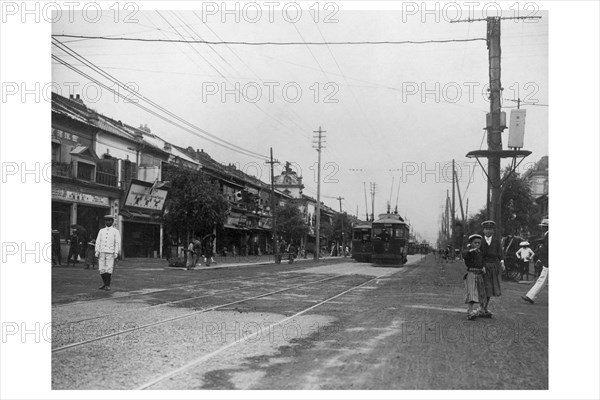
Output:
x,y
131,214
227,226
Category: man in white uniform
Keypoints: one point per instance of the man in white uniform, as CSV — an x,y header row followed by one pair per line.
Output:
x,y
543,259
107,249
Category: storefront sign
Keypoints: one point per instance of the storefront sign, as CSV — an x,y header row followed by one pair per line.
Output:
x,y
265,223
63,194
58,134
146,197
233,220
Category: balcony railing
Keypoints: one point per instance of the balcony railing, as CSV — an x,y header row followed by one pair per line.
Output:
x,y
101,178
62,169
104,178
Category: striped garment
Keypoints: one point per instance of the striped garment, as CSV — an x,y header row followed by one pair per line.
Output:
x,y
474,288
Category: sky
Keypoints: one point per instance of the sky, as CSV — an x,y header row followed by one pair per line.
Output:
x,y
393,114
372,127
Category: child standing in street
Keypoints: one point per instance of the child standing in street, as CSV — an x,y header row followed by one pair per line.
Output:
x,y
474,284
525,255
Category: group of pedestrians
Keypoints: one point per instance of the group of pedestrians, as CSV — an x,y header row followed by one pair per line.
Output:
x,y
484,259
200,248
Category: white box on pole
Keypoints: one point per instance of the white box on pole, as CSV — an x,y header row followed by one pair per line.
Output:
x,y
516,130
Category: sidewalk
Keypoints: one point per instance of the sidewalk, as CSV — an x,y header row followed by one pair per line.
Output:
x,y
220,262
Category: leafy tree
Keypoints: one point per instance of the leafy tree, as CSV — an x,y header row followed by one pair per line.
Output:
x,y
290,222
518,206
519,212
195,204
338,221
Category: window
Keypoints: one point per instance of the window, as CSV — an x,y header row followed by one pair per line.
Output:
x,y
55,151
399,233
85,171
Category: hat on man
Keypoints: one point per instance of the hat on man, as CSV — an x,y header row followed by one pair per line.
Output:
x,y
473,237
108,216
488,224
525,243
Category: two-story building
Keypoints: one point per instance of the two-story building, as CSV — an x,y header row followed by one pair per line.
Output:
x,y
96,163
85,187
537,177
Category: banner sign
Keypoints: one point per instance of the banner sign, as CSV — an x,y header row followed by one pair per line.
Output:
x,y
146,196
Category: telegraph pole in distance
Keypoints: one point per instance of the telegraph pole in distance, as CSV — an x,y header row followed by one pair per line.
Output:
x,y
274,219
319,146
373,190
340,198
453,207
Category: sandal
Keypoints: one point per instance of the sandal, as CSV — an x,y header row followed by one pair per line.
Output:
x,y
485,314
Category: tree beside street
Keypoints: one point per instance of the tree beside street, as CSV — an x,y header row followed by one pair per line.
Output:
x,y
290,222
339,221
520,214
195,204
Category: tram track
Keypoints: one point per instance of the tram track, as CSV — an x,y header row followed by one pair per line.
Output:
x,y
164,321
154,291
247,339
168,302
73,303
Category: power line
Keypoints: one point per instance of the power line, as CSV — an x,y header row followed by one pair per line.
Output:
x,y
64,63
194,33
271,43
111,78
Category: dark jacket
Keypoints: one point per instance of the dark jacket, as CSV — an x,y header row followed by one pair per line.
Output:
x,y
541,253
493,252
473,259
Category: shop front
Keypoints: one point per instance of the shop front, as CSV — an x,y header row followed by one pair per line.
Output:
x,y
141,220
140,236
81,206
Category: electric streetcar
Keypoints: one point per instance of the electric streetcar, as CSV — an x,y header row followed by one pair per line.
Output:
x,y
362,247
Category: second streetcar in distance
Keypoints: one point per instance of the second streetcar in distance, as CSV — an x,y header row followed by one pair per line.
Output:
x,y
362,247
389,237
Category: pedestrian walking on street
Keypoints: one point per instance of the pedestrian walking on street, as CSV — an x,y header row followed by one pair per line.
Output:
x,y
108,244
525,255
493,261
191,256
474,284
208,252
73,247
541,281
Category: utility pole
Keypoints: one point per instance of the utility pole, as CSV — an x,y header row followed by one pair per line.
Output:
x,y
373,190
453,207
319,146
340,198
460,202
366,203
494,129
494,123
274,220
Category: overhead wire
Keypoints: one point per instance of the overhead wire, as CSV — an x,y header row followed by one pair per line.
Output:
x,y
205,134
383,42
301,129
216,69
